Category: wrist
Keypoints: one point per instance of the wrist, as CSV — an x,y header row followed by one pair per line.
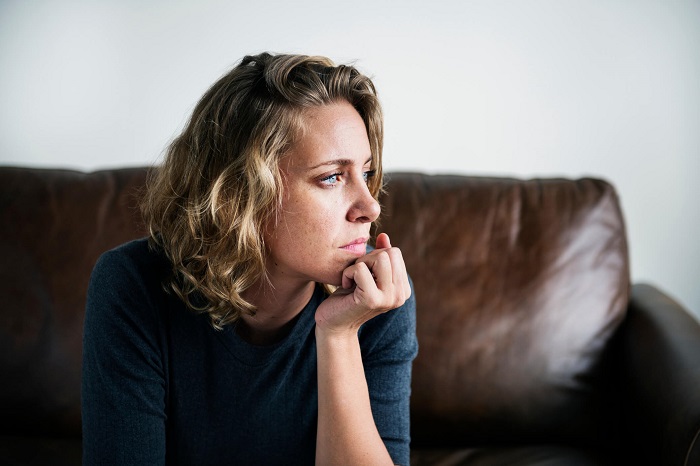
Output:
x,y
336,336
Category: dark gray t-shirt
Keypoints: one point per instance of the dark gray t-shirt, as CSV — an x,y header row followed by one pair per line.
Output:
x,y
161,386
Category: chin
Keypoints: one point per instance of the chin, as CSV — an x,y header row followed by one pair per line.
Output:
x,y
332,275
336,281
334,278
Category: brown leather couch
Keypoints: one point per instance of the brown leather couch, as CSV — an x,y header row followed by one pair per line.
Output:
x,y
534,348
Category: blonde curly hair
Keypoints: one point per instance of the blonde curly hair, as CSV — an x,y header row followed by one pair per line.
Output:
x,y
207,205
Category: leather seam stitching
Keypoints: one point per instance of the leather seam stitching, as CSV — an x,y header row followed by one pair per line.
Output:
x,y
690,449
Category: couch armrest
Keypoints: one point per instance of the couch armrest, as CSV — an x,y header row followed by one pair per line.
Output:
x,y
40,451
660,346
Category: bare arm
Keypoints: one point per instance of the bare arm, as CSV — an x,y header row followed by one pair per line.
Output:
x,y
347,433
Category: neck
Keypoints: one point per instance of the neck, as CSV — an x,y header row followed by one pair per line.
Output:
x,y
277,305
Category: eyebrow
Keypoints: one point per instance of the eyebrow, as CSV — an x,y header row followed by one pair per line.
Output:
x,y
341,162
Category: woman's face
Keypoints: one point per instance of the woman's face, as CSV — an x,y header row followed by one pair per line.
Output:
x,y
327,209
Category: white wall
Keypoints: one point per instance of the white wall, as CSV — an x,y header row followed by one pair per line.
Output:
x,y
524,88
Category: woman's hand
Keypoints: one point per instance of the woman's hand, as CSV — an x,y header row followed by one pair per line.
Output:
x,y
374,284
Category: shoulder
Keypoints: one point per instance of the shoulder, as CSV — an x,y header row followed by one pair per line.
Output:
x,y
126,280
136,254
132,263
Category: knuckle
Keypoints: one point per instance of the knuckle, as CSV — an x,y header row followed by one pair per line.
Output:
x,y
385,259
396,256
373,302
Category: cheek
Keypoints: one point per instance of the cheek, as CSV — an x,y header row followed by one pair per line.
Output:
x,y
317,225
315,216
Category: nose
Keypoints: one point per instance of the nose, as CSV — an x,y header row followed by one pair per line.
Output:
x,y
364,208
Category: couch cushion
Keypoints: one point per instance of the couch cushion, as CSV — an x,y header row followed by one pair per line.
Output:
x,y
53,226
540,455
519,287
40,451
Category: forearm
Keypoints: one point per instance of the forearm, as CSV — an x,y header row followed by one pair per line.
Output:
x,y
347,433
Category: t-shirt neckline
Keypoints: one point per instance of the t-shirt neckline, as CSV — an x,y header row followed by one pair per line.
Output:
x,y
252,355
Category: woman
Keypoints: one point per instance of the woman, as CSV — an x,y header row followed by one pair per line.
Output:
x,y
219,339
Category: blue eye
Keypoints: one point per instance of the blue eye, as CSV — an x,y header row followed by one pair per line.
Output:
x,y
331,180
335,178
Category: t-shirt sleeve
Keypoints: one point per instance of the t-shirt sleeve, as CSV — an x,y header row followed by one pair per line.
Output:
x,y
123,384
389,346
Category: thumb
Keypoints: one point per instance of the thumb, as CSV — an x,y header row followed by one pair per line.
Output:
x,y
383,241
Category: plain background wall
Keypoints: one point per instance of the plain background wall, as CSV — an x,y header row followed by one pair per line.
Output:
x,y
608,88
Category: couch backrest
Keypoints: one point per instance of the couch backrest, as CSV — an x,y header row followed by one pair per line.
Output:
x,y
54,224
519,287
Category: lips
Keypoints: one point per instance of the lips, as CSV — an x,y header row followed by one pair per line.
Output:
x,y
357,246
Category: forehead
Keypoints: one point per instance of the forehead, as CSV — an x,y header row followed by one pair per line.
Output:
x,y
330,132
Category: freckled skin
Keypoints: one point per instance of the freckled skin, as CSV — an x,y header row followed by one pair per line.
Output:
x,y
321,213
323,225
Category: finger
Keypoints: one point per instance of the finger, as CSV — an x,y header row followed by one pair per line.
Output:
x,y
363,267
348,280
399,272
377,261
363,279
370,258
382,271
366,292
383,241
398,267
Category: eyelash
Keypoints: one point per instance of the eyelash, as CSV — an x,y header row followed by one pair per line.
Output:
x,y
326,180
